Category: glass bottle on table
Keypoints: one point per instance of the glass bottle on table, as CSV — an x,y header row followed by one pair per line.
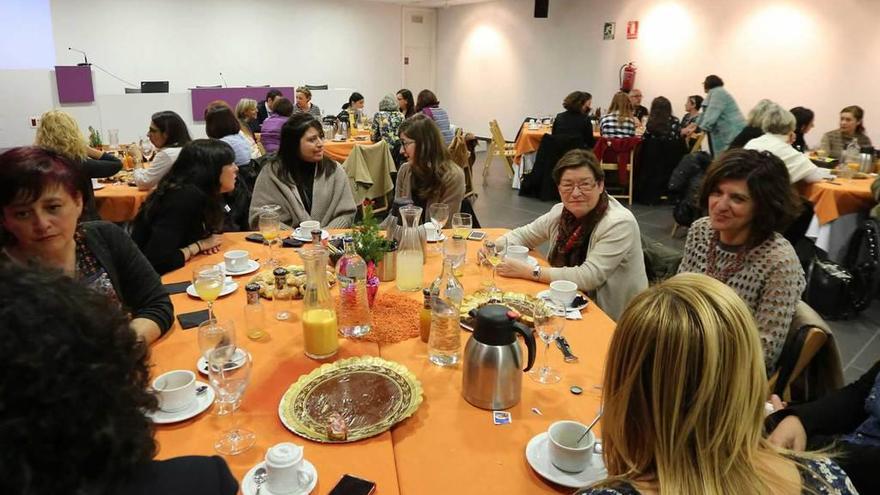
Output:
x,y
281,303
444,341
353,308
410,257
320,332
254,316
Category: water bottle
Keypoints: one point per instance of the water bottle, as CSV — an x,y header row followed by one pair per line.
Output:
x,y
353,313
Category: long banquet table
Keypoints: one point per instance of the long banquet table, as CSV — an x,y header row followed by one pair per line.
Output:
x,y
446,445
839,206
119,202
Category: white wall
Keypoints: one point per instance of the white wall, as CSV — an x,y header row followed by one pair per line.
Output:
x,y
496,61
348,44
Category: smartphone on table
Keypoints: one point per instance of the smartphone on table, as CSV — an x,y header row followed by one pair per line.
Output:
x,y
352,485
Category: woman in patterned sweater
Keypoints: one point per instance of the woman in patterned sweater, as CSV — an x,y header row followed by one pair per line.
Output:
x,y
750,201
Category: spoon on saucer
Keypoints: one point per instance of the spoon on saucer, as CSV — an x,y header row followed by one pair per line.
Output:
x,y
259,478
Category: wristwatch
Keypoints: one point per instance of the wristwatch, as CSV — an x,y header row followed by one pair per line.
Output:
x,y
536,272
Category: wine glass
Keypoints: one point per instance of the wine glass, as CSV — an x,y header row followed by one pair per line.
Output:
x,y
455,247
214,334
438,213
147,150
270,226
208,283
549,324
461,224
494,252
229,370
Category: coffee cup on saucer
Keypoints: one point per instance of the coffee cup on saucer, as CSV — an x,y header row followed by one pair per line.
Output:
x,y
520,253
431,232
285,470
308,226
236,260
568,452
563,292
176,390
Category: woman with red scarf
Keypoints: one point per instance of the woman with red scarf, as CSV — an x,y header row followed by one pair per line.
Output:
x,y
594,240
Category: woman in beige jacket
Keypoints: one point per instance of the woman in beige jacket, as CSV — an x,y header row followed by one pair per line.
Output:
x,y
594,240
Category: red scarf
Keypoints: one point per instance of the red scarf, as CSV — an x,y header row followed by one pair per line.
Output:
x,y
573,238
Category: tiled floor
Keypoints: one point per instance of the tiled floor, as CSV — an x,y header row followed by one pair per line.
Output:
x,y
500,206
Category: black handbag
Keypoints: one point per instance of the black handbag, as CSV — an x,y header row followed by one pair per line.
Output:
x,y
829,289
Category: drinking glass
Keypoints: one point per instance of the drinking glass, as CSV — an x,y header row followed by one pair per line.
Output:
x,y
270,226
230,379
495,252
208,283
147,150
549,324
461,224
214,334
455,247
438,213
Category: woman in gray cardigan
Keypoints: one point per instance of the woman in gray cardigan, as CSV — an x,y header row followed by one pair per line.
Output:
x,y
307,185
594,240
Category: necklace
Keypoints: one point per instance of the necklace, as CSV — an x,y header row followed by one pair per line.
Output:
x,y
728,271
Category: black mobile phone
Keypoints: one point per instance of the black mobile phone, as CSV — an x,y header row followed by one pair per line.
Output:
x,y
255,237
352,485
476,235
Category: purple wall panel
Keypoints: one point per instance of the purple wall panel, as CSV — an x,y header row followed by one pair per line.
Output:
x,y
74,84
202,96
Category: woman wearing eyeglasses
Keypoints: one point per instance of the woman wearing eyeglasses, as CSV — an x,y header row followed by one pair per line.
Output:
x,y
594,240
168,133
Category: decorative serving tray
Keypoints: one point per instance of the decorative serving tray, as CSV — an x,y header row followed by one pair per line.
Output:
x,y
524,304
370,393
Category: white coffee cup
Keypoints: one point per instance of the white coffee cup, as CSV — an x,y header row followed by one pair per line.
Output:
x,y
431,232
236,260
566,452
563,292
176,390
285,470
520,253
308,226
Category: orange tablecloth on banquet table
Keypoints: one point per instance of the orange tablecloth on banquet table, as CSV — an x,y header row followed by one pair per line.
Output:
x,y
447,445
339,150
119,202
839,197
529,140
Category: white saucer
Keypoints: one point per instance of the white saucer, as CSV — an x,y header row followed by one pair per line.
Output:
x,y
198,406
248,487
98,185
252,266
538,455
238,359
545,295
228,288
299,235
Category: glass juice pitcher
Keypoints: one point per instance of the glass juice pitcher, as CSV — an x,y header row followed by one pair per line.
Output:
x,y
320,334
410,256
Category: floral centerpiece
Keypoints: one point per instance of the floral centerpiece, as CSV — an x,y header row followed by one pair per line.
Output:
x,y
370,245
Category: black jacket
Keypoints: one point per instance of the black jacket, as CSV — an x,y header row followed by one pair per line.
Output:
x,y
577,125
106,166
747,134
188,475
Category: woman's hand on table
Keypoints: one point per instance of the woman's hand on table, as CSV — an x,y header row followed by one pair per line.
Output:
x,y
210,244
512,268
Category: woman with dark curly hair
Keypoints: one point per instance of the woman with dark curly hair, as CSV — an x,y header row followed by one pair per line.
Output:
x,y
73,396
750,200
40,202
181,218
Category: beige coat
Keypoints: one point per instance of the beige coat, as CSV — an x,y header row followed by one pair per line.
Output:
x,y
332,202
453,190
615,264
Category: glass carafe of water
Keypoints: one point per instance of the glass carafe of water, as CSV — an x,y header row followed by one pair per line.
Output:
x,y
410,256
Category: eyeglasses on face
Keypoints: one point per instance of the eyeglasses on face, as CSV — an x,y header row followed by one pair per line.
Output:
x,y
584,187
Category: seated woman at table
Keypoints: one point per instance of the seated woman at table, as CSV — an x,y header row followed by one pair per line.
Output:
x,y
753,124
778,126
405,103
304,103
168,133
594,240
575,120
429,175
750,200
619,122
181,218
684,393
427,104
851,128
70,359
691,110
661,123
246,113
270,132
220,123
352,109
59,132
40,202
804,118
386,122
307,184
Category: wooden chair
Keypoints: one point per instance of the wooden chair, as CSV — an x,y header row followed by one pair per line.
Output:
x,y
698,141
609,166
498,147
460,154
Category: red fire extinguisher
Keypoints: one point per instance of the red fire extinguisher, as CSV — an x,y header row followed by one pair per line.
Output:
x,y
627,77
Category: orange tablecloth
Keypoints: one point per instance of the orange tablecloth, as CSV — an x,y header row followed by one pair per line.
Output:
x,y
446,445
339,150
529,140
119,202
840,197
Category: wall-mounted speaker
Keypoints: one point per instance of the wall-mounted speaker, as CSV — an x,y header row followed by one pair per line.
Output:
x,y
542,8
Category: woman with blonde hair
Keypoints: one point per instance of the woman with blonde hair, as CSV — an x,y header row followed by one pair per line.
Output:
x,y
59,132
619,122
695,427
246,112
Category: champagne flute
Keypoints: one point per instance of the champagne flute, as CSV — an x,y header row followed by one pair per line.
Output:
x,y
495,252
230,379
461,224
270,226
208,282
438,213
549,324
214,334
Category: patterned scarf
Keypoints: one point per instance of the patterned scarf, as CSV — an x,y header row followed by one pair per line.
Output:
x,y
573,239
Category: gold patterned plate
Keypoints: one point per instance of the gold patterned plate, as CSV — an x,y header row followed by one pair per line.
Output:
x,y
370,393
524,304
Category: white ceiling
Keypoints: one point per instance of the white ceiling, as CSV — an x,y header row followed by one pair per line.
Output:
x,y
430,3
